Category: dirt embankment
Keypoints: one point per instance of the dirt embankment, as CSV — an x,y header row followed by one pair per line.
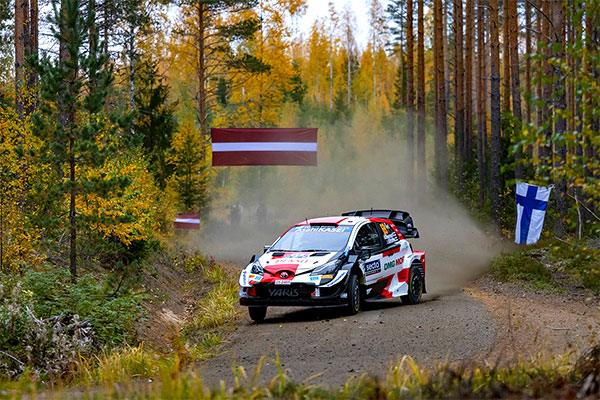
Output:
x,y
538,323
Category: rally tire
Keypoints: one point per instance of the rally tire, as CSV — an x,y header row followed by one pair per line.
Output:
x,y
415,286
257,313
354,296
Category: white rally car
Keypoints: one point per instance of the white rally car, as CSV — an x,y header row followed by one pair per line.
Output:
x,y
337,261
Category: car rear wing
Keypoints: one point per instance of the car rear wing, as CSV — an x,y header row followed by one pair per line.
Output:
x,y
401,219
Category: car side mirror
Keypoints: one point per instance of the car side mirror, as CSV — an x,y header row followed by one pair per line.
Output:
x,y
365,253
252,259
266,248
352,258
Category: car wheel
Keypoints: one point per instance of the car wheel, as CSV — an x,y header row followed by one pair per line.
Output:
x,y
415,287
257,313
354,295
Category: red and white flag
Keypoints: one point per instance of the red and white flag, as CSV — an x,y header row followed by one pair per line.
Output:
x,y
187,221
268,146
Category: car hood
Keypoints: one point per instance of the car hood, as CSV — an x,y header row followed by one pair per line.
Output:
x,y
295,262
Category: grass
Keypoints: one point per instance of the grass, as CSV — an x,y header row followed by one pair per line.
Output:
x,y
120,365
216,313
558,377
534,265
520,267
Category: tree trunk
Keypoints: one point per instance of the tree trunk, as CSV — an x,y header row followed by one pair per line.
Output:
x,y
349,79
559,104
33,50
481,103
470,30
421,157
495,156
527,60
511,8
201,71
331,76
374,78
131,77
459,93
540,69
20,40
441,128
72,211
410,93
546,118
506,57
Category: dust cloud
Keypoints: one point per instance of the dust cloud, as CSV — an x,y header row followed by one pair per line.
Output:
x,y
360,167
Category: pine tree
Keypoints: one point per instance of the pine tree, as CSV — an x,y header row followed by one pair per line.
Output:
x,y
495,156
71,120
481,103
190,176
421,157
154,120
212,40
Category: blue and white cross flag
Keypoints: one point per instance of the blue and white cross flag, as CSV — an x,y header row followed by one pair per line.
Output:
x,y
531,209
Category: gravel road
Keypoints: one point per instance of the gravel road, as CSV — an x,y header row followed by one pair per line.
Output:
x,y
310,341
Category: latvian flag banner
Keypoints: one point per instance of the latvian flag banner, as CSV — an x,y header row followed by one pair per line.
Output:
x,y
268,146
187,221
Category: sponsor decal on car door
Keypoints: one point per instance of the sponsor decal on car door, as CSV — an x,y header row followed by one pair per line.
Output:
x,y
373,268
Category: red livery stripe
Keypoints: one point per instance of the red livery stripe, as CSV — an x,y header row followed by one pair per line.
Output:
x,y
403,275
392,251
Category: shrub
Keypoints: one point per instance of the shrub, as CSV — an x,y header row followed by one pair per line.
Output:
x,y
520,267
111,316
49,347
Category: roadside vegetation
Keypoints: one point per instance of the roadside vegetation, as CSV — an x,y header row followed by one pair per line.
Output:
x,y
560,377
553,265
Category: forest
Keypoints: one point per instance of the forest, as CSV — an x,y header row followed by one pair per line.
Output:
x,y
106,108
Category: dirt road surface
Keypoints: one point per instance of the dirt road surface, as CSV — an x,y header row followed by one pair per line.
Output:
x,y
326,342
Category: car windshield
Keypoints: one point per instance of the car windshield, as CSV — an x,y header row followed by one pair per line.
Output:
x,y
314,238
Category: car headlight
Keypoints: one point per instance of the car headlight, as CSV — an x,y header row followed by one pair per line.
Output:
x,y
328,269
257,269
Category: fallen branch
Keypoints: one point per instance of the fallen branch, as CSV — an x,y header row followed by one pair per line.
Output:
x,y
564,241
12,358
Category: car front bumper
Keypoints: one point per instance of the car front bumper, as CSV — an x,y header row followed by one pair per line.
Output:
x,y
296,294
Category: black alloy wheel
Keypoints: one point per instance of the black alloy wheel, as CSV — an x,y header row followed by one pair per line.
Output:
x,y
257,313
354,297
415,286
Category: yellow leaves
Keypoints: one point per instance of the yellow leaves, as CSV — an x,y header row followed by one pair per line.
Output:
x,y
127,214
16,172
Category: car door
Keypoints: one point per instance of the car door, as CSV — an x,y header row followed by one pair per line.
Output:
x,y
368,239
392,255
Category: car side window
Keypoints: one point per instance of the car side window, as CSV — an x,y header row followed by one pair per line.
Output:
x,y
389,235
368,237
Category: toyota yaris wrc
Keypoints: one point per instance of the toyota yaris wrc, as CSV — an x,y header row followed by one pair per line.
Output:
x,y
337,261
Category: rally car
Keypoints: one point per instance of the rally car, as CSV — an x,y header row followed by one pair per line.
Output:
x,y
337,261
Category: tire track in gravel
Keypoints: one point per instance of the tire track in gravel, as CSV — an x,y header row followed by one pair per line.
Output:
x,y
310,341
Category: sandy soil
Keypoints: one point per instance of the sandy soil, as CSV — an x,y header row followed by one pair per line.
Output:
x,y
538,323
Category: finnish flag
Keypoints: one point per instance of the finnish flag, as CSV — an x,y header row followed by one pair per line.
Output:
x,y
531,209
